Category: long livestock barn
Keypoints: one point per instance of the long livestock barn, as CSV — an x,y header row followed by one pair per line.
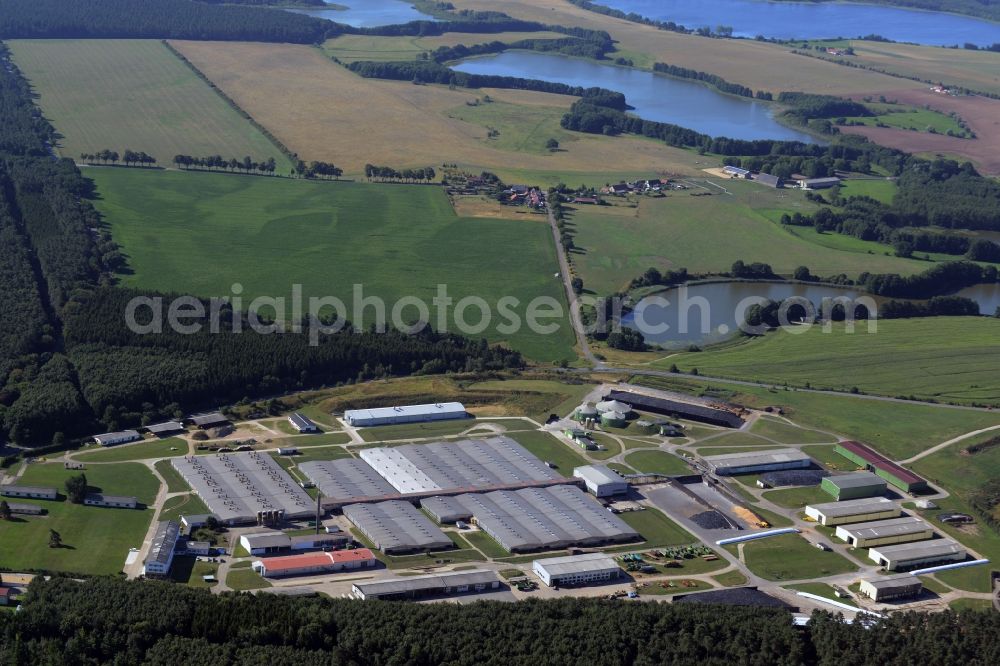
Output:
x,y
885,532
405,414
861,455
241,488
853,511
750,462
348,480
397,527
535,519
415,587
911,555
724,415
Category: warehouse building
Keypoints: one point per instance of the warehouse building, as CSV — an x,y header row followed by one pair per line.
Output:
x,y
912,555
751,462
534,519
819,183
857,485
601,480
416,587
577,569
306,564
726,416
245,488
166,428
853,511
112,438
32,492
885,532
302,424
111,501
264,543
442,411
890,588
161,551
25,509
397,527
875,462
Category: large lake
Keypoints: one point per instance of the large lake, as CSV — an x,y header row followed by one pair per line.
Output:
x,y
654,96
811,20
369,13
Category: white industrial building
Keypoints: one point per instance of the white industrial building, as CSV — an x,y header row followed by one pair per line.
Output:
x,y
111,501
888,588
750,462
441,411
112,438
414,587
885,532
263,543
577,569
397,527
853,511
911,555
302,423
601,480
161,551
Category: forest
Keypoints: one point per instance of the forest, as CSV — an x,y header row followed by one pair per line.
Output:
x,y
115,621
70,364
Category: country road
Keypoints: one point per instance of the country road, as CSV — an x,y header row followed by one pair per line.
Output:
x,y
567,279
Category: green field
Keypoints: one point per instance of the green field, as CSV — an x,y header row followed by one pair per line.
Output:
x,y
657,462
949,359
880,190
485,544
821,590
616,244
118,479
550,449
790,557
389,433
910,118
245,579
182,505
135,94
786,433
201,233
796,498
656,529
175,482
152,448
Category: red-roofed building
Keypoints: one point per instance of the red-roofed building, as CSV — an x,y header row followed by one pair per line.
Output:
x,y
315,563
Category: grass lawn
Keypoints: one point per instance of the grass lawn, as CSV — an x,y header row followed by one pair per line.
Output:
x,y
911,118
657,530
541,396
730,579
657,462
175,482
187,569
611,447
389,433
674,587
404,241
245,579
619,467
971,604
969,579
486,544
820,590
744,440
310,441
790,557
507,574
118,479
134,94
948,359
182,505
797,498
550,449
144,450
932,584
880,190
788,434
829,458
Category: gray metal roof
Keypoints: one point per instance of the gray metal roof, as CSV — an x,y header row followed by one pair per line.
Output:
x,y
536,518
598,474
854,507
37,490
131,434
417,584
397,525
209,419
198,545
30,509
754,458
164,540
576,564
301,421
168,426
111,499
267,540
886,528
857,480
919,549
903,580
236,486
434,409
346,479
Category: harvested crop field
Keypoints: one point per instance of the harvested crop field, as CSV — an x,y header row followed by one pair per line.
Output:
x,y
323,111
982,114
349,48
134,94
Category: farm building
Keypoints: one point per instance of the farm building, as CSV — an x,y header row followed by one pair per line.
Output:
x,y
111,501
305,564
405,414
205,421
601,480
736,171
166,428
885,532
769,180
112,438
889,588
161,551
854,486
32,492
535,519
25,509
585,411
723,415
302,423
264,543
861,455
750,462
853,511
819,183
576,569
911,555
415,587
245,488
288,451
397,527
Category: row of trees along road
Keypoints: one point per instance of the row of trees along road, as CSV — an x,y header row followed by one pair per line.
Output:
x,y
220,163
128,158
384,174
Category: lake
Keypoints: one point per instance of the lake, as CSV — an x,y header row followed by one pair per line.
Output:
x,y
369,13
654,96
813,20
987,295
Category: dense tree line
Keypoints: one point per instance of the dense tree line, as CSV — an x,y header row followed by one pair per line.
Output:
x,y
267,3
220,163
128,158
571,46
387,174
115,621
70,363
715,81
158,19
943,278
806,106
